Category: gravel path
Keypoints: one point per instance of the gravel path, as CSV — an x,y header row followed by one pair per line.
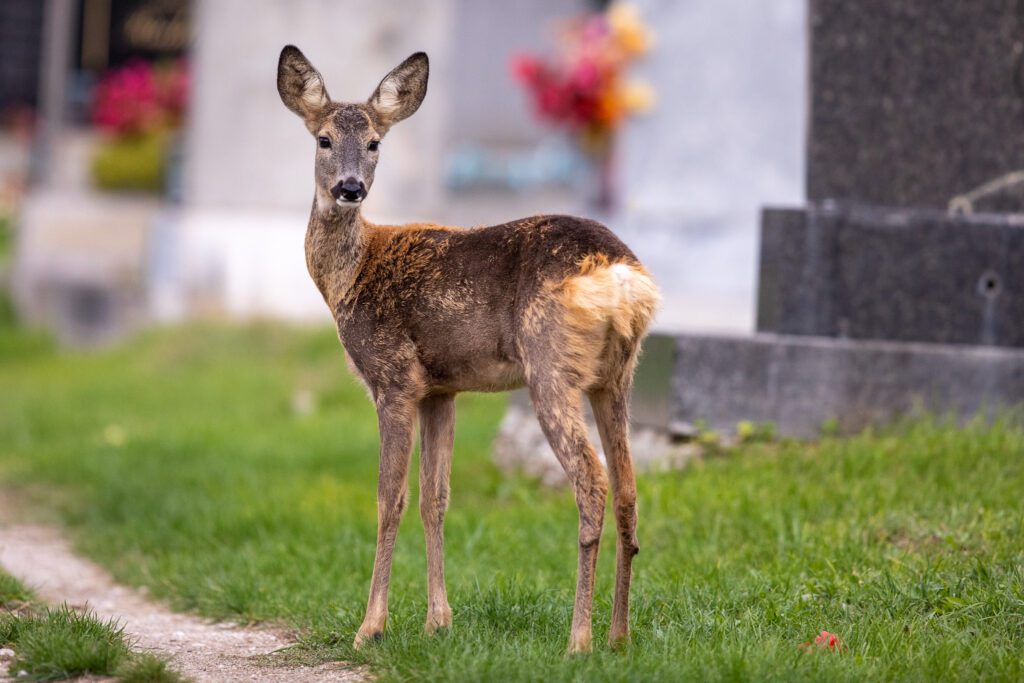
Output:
x,y
204,651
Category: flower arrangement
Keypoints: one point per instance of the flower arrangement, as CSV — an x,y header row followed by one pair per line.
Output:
x,y
138,107
585,90
141,98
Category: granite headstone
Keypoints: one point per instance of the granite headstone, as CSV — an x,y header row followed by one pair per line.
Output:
x,y
913,102
898,274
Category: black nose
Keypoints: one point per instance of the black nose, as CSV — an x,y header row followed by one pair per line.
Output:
x,y
350,189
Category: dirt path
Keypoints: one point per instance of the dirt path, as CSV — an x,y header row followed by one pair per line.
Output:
x,y
203,651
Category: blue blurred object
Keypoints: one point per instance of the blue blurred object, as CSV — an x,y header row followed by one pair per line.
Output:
x,y
552,162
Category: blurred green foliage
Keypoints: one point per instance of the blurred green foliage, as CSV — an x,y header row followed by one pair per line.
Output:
x,y
13,593
135,163
6,247
6,236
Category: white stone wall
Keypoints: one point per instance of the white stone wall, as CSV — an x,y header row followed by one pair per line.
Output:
x,y
726,138
246,151
238,242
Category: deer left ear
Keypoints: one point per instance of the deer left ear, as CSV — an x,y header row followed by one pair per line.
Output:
x,y
301,86
402,91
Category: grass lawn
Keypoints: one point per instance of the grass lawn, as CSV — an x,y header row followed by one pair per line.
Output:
x,y
233,470
57,643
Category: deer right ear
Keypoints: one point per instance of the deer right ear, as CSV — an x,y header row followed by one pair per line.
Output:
x,y
301,86
401,92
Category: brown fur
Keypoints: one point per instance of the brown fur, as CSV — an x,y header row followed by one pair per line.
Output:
x,y
554,303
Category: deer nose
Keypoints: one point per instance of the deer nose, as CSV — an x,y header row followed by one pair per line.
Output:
x,y
350,190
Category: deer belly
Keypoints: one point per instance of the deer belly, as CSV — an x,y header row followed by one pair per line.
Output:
x,y
480,375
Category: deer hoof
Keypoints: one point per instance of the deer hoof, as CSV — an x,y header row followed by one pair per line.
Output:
x,y
617,641
362,638
579,644
438,621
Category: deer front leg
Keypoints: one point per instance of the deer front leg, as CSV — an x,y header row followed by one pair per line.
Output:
x,y
396,418
437,435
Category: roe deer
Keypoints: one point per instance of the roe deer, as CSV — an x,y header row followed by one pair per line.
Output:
x,y
555,303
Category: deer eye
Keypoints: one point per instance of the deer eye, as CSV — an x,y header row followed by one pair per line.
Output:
x,y
374,145
325,143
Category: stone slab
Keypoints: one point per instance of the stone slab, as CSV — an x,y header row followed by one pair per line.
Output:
x,y
915,101
81,263
904,275
801,383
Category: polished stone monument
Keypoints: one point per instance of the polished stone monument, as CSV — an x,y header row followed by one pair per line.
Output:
x,y
914,102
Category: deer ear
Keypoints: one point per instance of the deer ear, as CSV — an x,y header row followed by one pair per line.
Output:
x,y
400,93
301,86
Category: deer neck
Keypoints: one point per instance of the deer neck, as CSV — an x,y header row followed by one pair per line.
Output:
x,y
335,248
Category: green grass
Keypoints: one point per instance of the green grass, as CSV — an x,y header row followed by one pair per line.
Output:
x,y
59,643
181,463
6,246
12,593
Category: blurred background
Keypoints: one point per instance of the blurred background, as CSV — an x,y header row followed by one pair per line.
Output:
x,y
150,173
150,177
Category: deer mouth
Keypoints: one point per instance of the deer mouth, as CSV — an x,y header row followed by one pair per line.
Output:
x,y
348,202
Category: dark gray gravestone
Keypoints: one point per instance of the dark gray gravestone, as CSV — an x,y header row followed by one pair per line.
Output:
x,y
913,102
897,274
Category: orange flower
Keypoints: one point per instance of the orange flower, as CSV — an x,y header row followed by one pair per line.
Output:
x,y
638,96
628,30
609,107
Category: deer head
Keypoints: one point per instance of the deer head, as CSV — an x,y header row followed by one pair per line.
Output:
x,y
348,135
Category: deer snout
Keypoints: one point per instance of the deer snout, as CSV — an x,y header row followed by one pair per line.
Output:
x,y
349,190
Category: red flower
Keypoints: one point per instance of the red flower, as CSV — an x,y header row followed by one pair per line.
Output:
x,y
824,641
827,640
526,68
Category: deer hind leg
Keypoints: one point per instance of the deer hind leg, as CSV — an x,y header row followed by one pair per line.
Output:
x,y
396,415
437,434
559,410
611,412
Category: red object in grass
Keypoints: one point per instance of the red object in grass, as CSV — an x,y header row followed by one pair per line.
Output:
x,y
827,640
824,641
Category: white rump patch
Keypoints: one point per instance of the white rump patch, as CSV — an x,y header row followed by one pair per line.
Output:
x,y
619,295
624,277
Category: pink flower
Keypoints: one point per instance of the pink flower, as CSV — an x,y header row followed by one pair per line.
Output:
x,y
138,98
